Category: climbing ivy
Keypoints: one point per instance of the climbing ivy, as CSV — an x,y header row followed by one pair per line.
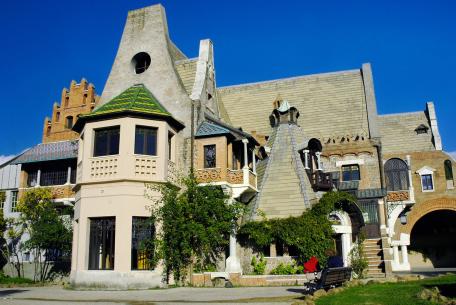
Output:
x,y
309,234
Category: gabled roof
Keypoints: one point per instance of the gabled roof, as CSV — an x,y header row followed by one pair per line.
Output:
x,y
49,151
136,101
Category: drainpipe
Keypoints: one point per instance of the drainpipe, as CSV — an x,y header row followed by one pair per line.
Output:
x,y
192,135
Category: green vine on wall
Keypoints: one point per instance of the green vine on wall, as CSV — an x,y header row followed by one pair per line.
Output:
x,y
310,234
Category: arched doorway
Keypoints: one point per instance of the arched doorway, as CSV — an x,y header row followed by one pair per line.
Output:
x,y
433,240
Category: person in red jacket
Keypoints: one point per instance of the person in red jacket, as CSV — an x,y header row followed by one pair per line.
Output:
x,y
311,265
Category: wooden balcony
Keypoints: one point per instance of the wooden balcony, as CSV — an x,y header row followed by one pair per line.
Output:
x,y
321,181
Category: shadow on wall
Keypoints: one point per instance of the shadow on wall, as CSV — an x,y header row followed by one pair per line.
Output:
x,y
433,240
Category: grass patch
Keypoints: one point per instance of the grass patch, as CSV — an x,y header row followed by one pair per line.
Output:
x,y
400,293
8,282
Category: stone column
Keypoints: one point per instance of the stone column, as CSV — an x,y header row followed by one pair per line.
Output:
x,y
381,214
253,161
245,169
318,154
306,158
396,255
404,255
411,190
68,175
38,178
233,264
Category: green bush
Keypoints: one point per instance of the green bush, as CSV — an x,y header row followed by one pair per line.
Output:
x,y
259,266
287,269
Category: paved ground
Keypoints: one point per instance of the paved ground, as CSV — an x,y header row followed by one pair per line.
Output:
x,y
172,296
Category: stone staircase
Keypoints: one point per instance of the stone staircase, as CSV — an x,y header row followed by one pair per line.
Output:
x,y
373,252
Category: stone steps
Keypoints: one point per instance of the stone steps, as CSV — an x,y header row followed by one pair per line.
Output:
x,y
373,253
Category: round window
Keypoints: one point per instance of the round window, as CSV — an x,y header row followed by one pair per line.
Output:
x,y
140,62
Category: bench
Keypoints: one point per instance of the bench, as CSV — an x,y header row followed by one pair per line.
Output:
x,y
330,278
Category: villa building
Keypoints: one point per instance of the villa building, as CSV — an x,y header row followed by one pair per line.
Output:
x,y
277,146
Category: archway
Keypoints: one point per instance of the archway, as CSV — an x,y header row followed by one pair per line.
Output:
x,y
433,240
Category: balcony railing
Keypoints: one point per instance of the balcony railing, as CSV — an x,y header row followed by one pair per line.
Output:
x,y
235,177
398,196
321,180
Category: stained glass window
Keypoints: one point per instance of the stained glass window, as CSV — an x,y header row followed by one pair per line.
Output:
x,y
209,156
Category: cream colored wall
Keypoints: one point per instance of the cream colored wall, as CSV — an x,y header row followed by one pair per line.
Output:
x,y
123,165
120,194
122,200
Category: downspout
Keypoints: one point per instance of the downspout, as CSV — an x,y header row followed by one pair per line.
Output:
x,y
192,136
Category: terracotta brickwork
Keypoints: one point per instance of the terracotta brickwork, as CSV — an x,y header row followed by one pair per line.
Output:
x,y
440,198
397,196
424,208
79,99
432,159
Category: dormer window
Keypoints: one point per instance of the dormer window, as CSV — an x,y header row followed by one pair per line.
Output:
x,y
209,156
421,129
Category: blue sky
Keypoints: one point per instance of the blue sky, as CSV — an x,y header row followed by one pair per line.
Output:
x,y
410,44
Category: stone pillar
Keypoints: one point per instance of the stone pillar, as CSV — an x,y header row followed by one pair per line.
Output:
x,y
233,265
404,255
246,157
38,178
306,158
68,175
396,255
253,161
245,169
381,214
318,154
411,190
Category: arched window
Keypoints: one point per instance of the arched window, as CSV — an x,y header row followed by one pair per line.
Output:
x,y
396,173
448,170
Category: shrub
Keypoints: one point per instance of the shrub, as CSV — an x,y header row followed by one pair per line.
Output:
x,y
357,258
259,266
287,269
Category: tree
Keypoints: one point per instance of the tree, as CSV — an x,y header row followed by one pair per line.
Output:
x,y
3,248
49,234
194,226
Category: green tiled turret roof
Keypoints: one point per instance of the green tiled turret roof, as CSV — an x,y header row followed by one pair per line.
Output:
x,y
135,101
137,98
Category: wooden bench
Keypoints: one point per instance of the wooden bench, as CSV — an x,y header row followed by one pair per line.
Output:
x,y
330,278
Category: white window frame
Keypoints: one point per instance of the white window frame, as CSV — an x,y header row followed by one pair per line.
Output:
x,y
426,170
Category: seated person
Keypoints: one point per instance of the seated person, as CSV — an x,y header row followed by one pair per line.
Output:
x,y
334,261
311,265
